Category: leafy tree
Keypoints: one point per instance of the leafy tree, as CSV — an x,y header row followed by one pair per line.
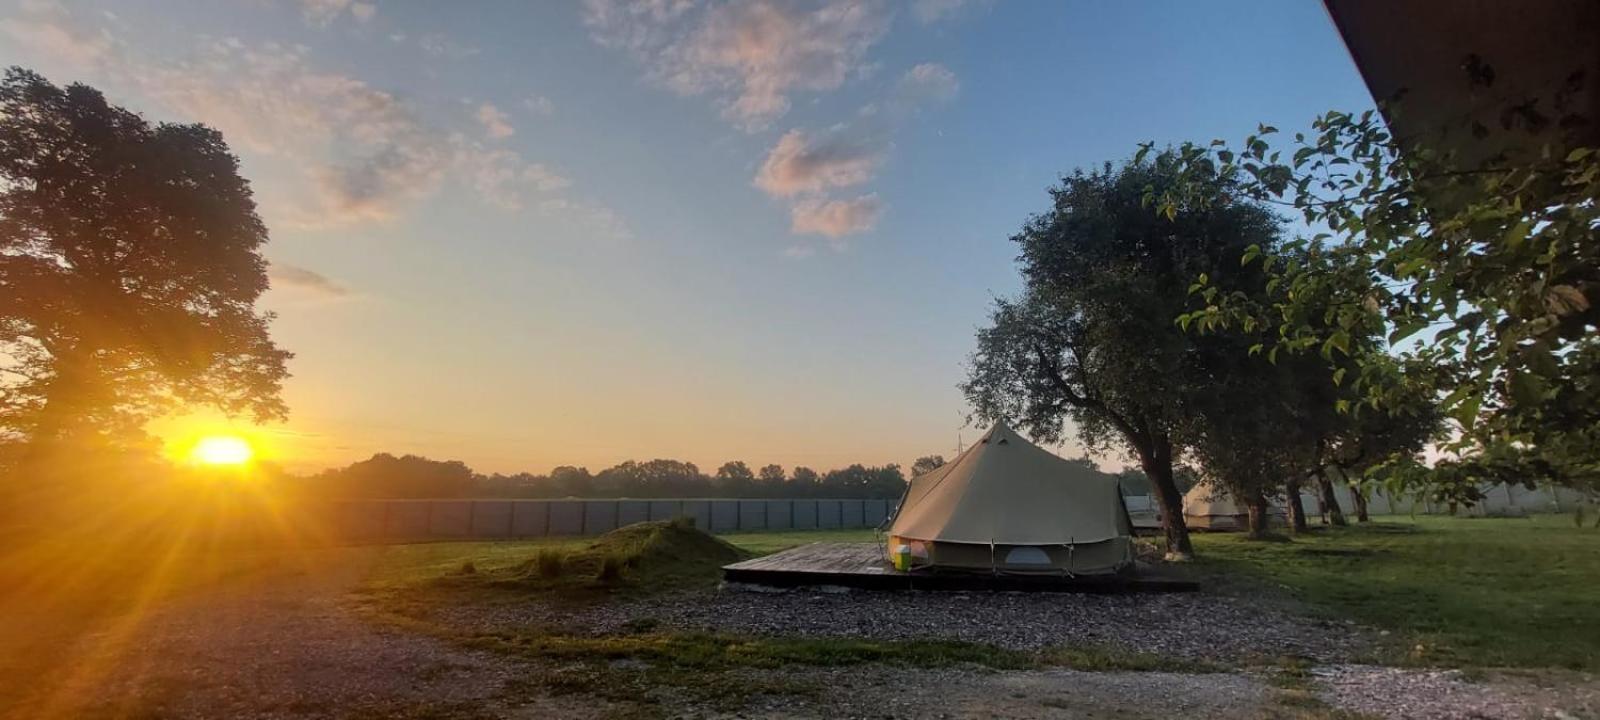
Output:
x,y
804,481
386,476
926,464
1092,337
130,266
570,481
734,478
1484,242
771,481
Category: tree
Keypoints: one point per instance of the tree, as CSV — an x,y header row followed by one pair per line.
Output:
x,y
1484,240
130,266
386,476
804,482
735,479
570,481
926,464
770,480
1092,337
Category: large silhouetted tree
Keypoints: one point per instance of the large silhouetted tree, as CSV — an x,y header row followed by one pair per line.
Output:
x,y
130,266
1092,337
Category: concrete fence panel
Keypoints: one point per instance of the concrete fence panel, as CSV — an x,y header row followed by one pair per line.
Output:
x,y
450,519
752,515
851,513
492,518
829,515
700,511
530,518
599,516
408,518
666,509
724,515
566,518
780,514
805,514
632,511
874,512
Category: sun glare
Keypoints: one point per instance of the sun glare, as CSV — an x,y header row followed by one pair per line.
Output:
x,y
221,450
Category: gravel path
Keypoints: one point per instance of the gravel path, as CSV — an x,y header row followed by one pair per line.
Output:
x,y
1189,625
280,645
965,694
1447,694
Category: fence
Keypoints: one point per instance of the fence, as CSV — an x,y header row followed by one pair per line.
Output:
x,y
408,520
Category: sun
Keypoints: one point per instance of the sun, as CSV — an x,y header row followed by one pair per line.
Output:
x,y
221,450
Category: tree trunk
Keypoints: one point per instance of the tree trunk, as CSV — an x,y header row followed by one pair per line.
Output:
x,y
1358,497
1259,515
1330,500
1157,464
1297,510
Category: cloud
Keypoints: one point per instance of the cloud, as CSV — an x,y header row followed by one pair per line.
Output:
x,y
835,218
539,105
806,169
928,82
749,56
798,165
361,154
931,11
47,29
497,124
322,13
441,46
294,276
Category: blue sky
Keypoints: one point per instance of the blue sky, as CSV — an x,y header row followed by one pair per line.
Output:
x,y
529,234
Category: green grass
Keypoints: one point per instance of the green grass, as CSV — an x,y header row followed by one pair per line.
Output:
x,y
1513,592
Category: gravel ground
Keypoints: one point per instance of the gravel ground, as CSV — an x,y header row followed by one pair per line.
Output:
x,y
965,694
288,645
1189,625
1447,694
282,645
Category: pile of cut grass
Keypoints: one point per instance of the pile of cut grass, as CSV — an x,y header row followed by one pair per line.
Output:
x,y
648,556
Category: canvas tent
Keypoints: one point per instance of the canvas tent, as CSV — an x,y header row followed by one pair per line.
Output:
x,y
1207,507
1008,506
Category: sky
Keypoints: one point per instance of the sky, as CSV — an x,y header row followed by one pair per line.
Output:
x,y
529,234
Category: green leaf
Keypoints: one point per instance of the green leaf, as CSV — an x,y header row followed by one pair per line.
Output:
x,y
1256,349
1517,234
1406,330
1338,378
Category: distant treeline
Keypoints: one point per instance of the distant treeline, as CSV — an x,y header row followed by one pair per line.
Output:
x,y
410,476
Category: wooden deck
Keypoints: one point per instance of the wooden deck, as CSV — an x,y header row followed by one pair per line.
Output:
x,y
862,565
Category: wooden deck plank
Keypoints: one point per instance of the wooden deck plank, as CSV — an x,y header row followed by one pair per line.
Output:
x,y
864,565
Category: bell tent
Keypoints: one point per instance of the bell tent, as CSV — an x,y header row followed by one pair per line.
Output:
x,y
1207,507
1009,506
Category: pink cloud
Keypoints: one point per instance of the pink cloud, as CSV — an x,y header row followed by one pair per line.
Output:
x,y
835,218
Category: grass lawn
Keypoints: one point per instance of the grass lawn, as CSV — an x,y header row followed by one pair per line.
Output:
x,y
1515,592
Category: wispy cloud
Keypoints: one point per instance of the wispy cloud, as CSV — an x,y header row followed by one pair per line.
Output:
x,y
539,105
750,56
363,153
299,278
805,169
322,13
495,123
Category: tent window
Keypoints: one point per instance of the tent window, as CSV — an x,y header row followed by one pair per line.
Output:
x,y
1003,441
1027,555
